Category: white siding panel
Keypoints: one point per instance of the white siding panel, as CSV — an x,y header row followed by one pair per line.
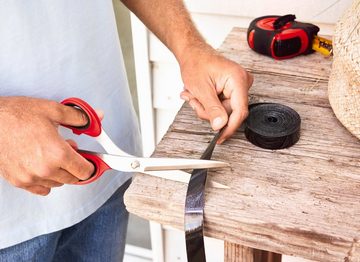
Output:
x,y
144,88
323,11
158,52
167,85
175,249
164,118
214,28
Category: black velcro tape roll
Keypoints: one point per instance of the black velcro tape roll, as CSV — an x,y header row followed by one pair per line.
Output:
x,y
272,126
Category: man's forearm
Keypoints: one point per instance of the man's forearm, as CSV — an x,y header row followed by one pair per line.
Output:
x,y
170,22
207,75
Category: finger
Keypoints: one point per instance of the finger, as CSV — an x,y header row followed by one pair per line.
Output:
x,y
76,165
243,78
226,104
38,190
100,113
199,109
235,120
186,95
195,105
37,181
64,177
208,98
68,115
49,183
237,93
239,106
72,143
49,179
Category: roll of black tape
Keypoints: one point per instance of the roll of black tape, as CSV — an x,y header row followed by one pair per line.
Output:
x,y
272,126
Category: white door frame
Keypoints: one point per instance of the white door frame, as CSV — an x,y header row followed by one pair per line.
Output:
x,y
140,37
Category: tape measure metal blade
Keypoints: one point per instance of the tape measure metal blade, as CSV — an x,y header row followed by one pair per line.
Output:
x,y
322,45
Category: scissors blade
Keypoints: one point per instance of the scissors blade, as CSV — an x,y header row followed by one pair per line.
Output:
x,y
158,164
184,177
123,163
142,164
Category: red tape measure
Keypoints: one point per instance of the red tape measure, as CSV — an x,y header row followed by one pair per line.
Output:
x,y
281,37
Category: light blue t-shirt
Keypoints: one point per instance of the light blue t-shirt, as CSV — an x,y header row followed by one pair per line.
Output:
x,y
58,49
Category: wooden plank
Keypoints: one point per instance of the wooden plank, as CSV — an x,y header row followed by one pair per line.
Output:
x,y
301,201
237,253
265,256
308,207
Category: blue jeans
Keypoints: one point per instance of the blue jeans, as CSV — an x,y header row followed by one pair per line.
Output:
x,y
99,237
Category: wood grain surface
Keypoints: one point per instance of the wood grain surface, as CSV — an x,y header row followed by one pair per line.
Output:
x,y
238,253
302,201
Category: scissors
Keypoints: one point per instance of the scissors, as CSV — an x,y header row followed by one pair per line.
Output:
x,y
115,158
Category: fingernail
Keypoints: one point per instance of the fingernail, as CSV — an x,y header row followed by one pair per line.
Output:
x,y
218,123
184,98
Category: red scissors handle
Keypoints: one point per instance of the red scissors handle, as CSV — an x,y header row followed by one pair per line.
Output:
x,y
93,127
99,165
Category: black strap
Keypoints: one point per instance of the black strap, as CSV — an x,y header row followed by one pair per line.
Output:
x,y
283,20
194,209
272,126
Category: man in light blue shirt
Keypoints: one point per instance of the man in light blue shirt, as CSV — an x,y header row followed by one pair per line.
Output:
x,y
51,50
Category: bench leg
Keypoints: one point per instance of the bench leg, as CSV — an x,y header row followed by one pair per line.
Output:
x,y
237,253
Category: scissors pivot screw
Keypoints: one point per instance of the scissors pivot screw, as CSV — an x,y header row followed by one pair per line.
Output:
x,y
135,164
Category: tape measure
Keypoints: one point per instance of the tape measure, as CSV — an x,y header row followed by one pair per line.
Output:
x,y
282,37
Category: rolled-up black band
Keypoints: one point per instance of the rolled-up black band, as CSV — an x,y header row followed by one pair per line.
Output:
x,y
272,126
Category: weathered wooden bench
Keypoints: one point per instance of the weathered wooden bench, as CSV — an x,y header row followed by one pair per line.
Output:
x,y
302,201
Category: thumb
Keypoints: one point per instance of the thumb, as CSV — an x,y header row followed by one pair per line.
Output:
x,y
100,113
215,110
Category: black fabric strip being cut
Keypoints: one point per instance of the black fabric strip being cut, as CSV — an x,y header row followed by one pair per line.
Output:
x,y
272,126
194,209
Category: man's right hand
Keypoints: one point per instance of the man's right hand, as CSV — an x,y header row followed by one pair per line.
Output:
x,y
33,155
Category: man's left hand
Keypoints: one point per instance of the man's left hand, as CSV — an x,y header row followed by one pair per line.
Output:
x,y
216,88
